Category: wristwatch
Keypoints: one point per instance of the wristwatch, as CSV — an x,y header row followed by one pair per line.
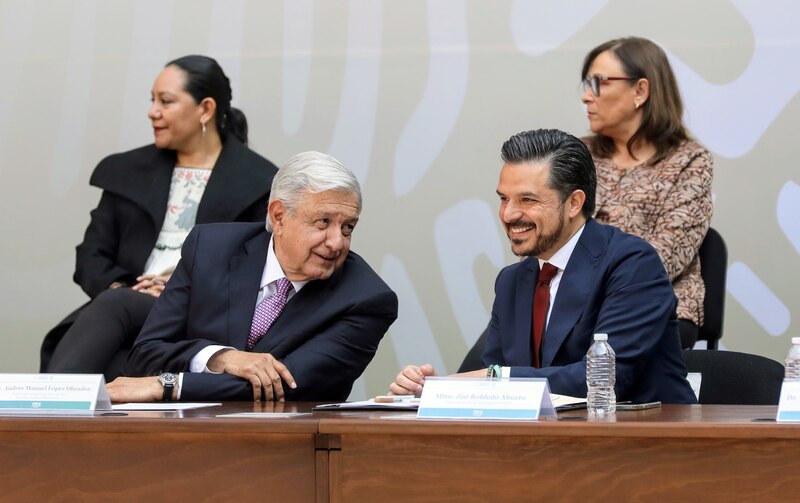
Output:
x,y
168,380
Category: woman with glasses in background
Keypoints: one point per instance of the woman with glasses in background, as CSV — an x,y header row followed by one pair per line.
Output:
x,y
653,179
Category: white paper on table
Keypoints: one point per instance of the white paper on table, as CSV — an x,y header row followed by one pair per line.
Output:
x,y
559,400
163,406
266,415
410,403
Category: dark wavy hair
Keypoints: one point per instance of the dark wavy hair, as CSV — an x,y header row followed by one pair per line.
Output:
x,y
571,164
662,113
205,79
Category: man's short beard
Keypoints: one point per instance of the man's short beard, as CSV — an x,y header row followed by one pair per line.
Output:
x,y
544,241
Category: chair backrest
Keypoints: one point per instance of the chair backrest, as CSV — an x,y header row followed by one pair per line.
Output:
x,y
734,378
714,269
473,359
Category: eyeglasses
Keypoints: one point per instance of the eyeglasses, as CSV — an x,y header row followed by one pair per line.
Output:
x,y
593,82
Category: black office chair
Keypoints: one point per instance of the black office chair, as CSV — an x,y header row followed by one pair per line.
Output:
x,y
714,269
734,378
473,359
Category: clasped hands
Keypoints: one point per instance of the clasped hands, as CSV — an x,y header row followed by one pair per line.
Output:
x,y
411,379
151,284
264,372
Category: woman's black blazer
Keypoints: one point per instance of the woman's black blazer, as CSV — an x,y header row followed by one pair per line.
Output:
x,y
125,224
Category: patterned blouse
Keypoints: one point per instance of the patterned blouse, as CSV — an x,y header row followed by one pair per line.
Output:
x,y
669,205
185,192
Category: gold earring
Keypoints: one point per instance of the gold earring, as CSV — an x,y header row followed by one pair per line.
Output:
x,y
203,125
636,105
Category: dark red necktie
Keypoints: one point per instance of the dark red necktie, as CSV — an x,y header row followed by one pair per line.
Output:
x,y
541,299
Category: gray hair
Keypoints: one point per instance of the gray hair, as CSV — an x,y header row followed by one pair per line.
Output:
x,y
310,172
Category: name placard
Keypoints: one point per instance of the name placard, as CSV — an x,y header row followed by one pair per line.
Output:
x,y
478,398
39,394
789,405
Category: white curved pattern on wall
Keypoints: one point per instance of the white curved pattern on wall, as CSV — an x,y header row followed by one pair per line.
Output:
x,y
758,299
411,335
788,209
75,85
539,26
358,107
730,118
436,114
298,25
463,233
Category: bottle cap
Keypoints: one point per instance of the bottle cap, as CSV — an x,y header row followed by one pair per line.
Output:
x,y
795,340
604,337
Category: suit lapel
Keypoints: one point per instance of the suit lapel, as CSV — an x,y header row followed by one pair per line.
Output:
x,y
246,270
159,175
232,187
297,321
573,291
294,320
220,202
521,349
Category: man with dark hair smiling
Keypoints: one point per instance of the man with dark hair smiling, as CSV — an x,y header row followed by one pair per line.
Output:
x,y
586,277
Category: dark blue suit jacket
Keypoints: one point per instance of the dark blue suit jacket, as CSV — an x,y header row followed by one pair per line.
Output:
x,y
326,335
614,283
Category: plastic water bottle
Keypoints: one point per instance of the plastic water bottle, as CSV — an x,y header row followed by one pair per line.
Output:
x,y
792,372
601,375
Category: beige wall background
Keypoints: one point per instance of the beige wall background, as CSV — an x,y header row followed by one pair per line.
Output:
x,y
416,98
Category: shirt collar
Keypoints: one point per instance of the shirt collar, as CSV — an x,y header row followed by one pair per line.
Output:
x,y
561,257
273,270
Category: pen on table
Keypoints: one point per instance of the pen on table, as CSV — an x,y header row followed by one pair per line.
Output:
x,y
396,399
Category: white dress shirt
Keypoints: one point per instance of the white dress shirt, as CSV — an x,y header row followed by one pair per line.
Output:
x,y
272,272
560,259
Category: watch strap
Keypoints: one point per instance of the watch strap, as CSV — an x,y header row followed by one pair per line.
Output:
x,y
168,381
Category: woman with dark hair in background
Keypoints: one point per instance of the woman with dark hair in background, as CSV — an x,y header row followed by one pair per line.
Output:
x,y
653,180
198,171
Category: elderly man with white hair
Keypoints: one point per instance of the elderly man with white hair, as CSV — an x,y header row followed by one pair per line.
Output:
x,y
282,313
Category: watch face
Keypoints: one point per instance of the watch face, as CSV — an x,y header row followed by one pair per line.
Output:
x,y
168,379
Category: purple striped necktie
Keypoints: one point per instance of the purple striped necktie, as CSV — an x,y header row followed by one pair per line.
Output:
x,y
267,312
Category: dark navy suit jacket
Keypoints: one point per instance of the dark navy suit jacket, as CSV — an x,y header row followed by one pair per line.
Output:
x,y
326,335
614,283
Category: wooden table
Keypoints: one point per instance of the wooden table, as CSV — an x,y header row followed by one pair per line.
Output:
x,y
676,453
159,456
